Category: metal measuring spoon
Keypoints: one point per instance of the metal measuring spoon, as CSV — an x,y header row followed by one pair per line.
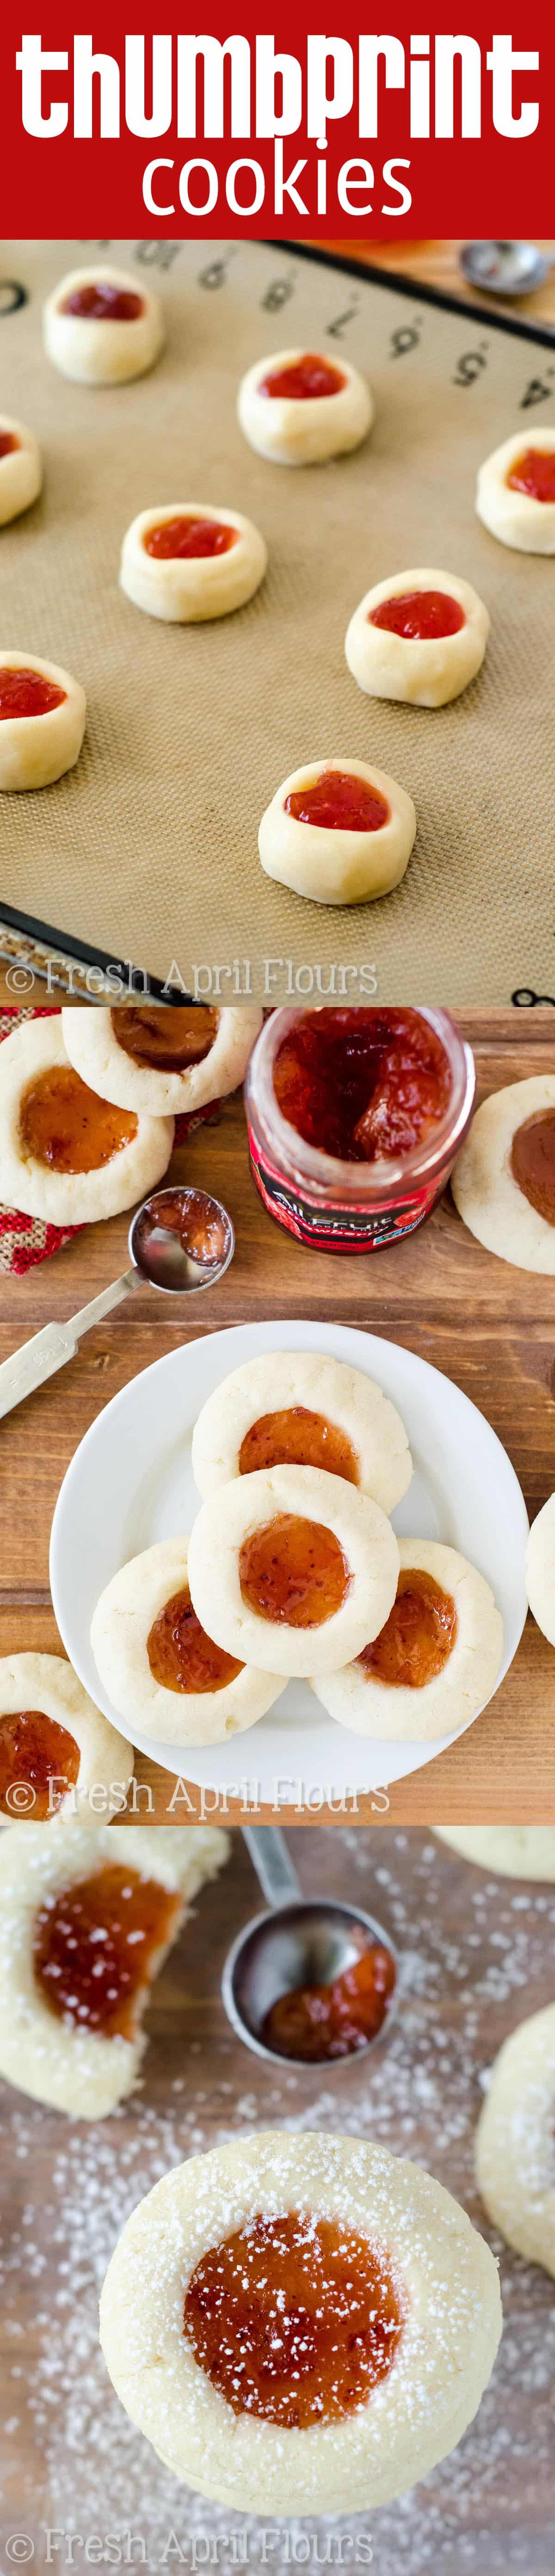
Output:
x,y
303,1941
158,1254
504,268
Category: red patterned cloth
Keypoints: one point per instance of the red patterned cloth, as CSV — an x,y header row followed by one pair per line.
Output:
x,y
24,1240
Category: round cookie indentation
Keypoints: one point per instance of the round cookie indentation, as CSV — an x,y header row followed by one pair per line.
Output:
x,y
20,468
38,1754
42,721
65,1153
305,1409
333,1536
294,2321
67,1127
299,408
160,1058
433,1664
163,1665
293,1570
418,638
309,841
187,562
100,328
515,493
95,1945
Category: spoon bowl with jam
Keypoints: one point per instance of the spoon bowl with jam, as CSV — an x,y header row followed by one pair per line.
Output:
x,y
311,1981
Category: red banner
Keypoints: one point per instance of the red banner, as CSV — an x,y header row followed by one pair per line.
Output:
x,y
274,128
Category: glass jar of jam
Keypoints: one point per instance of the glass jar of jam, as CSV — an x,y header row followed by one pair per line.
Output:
x,y
355,1117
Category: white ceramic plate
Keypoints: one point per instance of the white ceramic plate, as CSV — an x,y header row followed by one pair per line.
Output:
x,y
131,1482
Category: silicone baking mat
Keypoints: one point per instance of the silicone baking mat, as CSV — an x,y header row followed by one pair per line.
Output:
x,y
147,851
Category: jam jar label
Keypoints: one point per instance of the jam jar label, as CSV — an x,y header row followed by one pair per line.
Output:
x,y
335,1229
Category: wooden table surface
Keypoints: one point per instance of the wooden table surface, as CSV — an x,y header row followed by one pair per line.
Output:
x,y
486,1325
472,1968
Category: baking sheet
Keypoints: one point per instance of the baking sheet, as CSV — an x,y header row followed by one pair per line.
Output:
x,y
147,851
478,1956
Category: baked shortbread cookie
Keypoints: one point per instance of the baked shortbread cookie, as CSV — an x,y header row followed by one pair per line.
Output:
x,y
300,1408
515,492
540,1570
50,1735
186,561
292,1569
42,720
65,1154
20,468
161,1059
300,2324
515,2163
87,1915
513,1851
419,637
503,1181
436,1660
160,1666
339,831
101,327
299,409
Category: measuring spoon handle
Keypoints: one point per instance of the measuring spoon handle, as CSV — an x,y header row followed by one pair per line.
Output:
x,y
49,1350
272,1862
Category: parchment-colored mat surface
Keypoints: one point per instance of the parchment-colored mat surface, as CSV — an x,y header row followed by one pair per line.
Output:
x,y
148,849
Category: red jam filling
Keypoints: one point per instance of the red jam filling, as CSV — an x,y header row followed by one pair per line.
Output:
x,y
181,1656
534,474
192,1215
307,379
339,802
362,1084
296,1437
318,2022
35,1750
95,1946
168,1040
66,1126
293,1570
419,614
418,1637
533,1162
103,303
294,2319
8,443
188,537
27,693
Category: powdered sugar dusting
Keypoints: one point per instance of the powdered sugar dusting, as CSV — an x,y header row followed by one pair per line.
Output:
x,y
477,1958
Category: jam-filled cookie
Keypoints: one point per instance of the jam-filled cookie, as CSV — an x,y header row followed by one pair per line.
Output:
x,y
515,2164
540,1569
87,1914
101,327
292,1568
511,1851
419,637
66,1154
436,1659
42,720
161,1059
160,1665
20,468
298,408
503,1182
187,561
299,1408
339,831
300,2324
54,1744
515,493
